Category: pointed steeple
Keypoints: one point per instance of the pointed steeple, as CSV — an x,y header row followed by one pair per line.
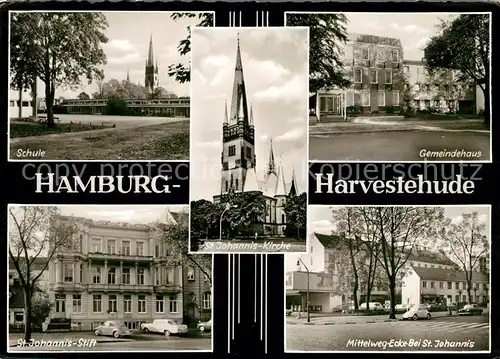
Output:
x,y
294,188
225,113
128,76
251,182
280,184
150,60
251,115
271,166
239,96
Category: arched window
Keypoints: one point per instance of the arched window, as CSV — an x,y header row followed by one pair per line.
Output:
x,y
191,297
190,274
207,300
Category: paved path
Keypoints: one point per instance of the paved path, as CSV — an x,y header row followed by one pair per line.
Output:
x,y
425,335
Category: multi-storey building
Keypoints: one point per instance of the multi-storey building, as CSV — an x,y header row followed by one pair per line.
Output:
x,y
114,271
197,293
438,92
374,66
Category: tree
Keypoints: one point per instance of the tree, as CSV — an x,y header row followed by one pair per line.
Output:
x,y
59,48
246,208
41,306
180,72
175,236
466,244
83,96
204,221
463,44
35,232
116,107
327,35
400,229
296,214
161,93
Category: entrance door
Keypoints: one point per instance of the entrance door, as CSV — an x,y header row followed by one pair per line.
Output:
x,y
330,104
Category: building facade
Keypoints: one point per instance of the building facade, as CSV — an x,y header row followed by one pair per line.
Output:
x,y
239,175
197,294
374,66
21,102
114,271
440,92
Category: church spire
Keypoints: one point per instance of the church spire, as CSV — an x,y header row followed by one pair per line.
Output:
x,y
294,189
280,184
239,96
225,113
128,76
271,165
150,61
251,115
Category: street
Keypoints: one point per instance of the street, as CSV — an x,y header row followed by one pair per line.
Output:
x,y
439,334
398,146
84,342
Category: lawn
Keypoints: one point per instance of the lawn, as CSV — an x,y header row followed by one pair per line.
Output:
x,y
168,141
27,129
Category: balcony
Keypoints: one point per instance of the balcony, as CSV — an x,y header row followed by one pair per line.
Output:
x,y
167,288
318,282
67,287
136,288
119,257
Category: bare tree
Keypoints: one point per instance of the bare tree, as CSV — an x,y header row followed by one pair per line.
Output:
x,y
35,233
466,243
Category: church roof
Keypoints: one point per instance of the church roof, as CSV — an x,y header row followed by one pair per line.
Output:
x,y
150,61
251,182
239,97
280,185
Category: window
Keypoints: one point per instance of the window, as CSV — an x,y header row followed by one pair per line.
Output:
x,y
388,76
232,151
426,87
365,53
80,268
395,55
433,284
441,285
436,103
207,300
457,285
12,103
111,246
68,272
96,274
126,248
127,304
170,275
237,184
141,304
60,303
381,54
373,76
406,69
157,250
173,305
190,274
97,304
416,87
449,285
395,98
157,276
227,186
139,250
249,152
358,76
112,276
159,304
96,245
381,98
126,276
424,284
365,99
140,276
112,304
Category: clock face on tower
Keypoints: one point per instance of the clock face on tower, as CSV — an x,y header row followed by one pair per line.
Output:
x,y
231,165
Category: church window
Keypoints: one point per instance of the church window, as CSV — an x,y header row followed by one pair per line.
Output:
x,y
227,186
249,152
232,181
232,150
237,183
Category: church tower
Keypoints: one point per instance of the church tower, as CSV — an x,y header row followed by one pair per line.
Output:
x,y
151,70
238,137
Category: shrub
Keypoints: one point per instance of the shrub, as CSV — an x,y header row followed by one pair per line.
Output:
x,y
389,109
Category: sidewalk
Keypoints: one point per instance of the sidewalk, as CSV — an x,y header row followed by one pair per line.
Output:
x,y
355,319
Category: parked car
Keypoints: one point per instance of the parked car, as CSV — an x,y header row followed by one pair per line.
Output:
x,y
416,312
288,312
437,307
112,328
164,326
373,306
471,309
401,308
205,326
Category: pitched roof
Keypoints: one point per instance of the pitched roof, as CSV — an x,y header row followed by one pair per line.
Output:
x,y
373,39
329,241
280,185
448,275
426,256
251,183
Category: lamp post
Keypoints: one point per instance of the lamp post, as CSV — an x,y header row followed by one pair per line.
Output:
x,y
228,206
307,291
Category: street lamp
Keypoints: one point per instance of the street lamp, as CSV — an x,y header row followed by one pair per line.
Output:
x,y
228,206
307,292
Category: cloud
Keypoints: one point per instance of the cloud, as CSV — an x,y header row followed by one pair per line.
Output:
x,y
208,144
216,60
291,91
130,58
410,28
293,135
120,45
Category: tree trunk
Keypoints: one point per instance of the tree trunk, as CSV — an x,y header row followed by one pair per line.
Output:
x,y
34,91
486,94
355,293
392,288
20,109
27,315
49,102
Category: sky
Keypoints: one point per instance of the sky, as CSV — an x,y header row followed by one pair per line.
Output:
x,y
128,214
413,29
275,68
127,49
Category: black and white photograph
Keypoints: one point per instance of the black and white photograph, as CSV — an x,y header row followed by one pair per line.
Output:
x,y
249,140
100,85
391,279
405,87
106,279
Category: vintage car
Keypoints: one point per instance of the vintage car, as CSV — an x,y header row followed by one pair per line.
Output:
x,y
112,328
416,312
471,309
205,326
165,327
